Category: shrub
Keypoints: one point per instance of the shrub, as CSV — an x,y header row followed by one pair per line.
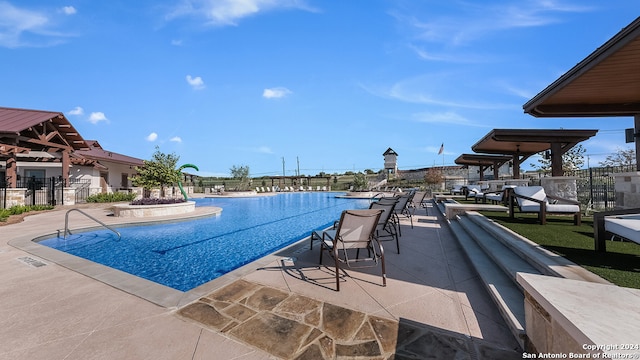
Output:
x,y
20,209
150,201
110,197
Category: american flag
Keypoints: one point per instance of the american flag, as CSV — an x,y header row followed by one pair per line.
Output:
x,y
441,149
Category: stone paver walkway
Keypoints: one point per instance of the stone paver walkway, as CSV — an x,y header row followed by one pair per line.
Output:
x,y
292,326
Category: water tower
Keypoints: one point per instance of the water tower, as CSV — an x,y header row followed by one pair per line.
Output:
x,y
390,162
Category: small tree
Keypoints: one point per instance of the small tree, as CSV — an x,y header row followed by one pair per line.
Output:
x,y
360,182
157,172
241,173
433,178
622,157
573,159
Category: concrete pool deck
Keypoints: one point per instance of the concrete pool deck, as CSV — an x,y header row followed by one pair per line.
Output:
x,y
433,304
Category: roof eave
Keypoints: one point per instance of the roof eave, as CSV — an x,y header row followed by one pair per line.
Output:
x,y
622,38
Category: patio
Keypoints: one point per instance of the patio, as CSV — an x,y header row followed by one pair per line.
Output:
x,y
434,304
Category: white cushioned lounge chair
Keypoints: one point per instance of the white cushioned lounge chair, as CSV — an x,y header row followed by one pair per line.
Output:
x,y
533,199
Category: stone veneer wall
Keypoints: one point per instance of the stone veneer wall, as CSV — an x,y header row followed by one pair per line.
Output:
x,y
126,210
627,187
15,196
561,186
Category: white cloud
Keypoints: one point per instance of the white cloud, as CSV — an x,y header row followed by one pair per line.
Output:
x,y
152,137
276,93
18,24
196,82
78,111
479,20
265,150
69,10
229,12
177,139
176,42
96,117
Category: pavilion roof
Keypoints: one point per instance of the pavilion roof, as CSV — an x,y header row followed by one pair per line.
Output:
x,y
605,83
527,142
482,159
35,130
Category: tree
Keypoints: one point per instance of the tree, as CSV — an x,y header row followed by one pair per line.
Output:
x,y
573,159
157,172
622,157
360,182
241,173
433,177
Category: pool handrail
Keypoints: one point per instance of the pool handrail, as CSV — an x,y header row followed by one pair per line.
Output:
x,y
66,223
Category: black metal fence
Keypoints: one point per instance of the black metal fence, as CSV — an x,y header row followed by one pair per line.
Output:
x,y
42,191
46,191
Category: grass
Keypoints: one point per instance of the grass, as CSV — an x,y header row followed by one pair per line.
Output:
x,y
620,264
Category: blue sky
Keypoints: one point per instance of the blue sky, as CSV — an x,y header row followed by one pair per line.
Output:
x,y
316,85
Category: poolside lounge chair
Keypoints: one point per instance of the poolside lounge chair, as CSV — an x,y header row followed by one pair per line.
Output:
x,y
418,201
402,208
355,231
470,191
500,196
534,199
623,223
456,190
386,230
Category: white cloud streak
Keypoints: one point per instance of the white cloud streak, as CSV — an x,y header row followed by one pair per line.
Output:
x,y
478,20
17,23
177,139
152,137
229,12
276,93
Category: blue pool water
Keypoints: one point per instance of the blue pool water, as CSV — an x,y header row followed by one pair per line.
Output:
x,y
184,255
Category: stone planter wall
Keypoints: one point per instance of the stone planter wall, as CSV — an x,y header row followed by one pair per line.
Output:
x,y
126,210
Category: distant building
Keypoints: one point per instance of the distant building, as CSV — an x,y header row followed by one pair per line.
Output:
x,y
390,162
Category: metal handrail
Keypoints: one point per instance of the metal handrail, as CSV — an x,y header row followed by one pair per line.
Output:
x,y
66,223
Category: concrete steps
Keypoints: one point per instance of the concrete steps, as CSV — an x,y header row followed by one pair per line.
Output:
x,y
498,255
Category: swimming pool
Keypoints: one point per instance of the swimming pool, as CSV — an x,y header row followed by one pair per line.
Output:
x,y
184,255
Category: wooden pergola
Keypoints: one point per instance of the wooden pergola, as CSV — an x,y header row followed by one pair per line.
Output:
x,y
24,131
520,144
605,83
483,161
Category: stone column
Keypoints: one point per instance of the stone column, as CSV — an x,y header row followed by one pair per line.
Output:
x,y
69,196
627,187
15,197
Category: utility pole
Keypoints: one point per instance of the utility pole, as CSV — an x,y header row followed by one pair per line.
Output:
x,y
283,166
298,161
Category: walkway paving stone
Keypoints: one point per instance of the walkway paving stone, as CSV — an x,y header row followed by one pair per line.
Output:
x,y
292,326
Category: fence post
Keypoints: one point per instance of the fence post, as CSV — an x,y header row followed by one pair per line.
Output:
x,y
591,189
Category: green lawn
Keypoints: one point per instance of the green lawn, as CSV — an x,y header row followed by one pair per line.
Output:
x,y
620,264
